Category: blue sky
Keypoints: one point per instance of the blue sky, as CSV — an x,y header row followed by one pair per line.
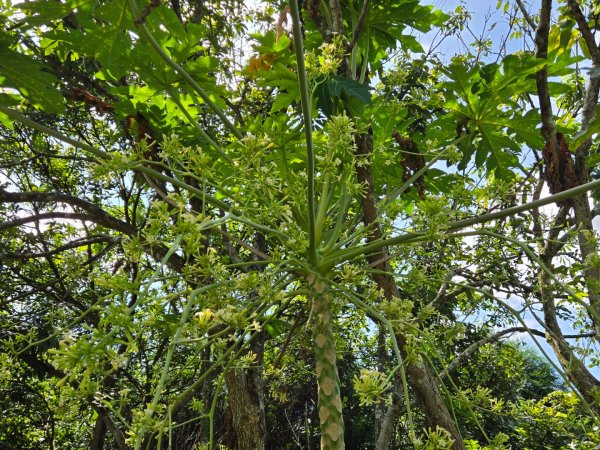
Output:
x,y
486,22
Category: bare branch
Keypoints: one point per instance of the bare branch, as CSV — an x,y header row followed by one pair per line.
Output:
x,y
252,249
68,246
49,215
526,14
96,214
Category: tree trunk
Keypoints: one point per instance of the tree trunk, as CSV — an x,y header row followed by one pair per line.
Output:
x,y
583,216
98,435
329,402
576,371
386,432
246,404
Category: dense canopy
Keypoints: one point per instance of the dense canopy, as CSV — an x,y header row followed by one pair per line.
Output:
x,y
320,224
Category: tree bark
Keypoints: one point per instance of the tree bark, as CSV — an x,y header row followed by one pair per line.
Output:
x,y
583,215
581,206
386,431
246,404
98,435
583,380
575,369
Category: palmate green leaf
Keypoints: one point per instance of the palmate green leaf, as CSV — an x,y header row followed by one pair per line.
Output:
x,y
410,43
525,127
113,40
352,88
286,80
487,97
387,21
7,100
516,74
31,78
43,12
492,151
169,32
460,86
592,129
398,14
270,44
112,48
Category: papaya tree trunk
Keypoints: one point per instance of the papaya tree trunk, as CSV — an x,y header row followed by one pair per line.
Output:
x,y
329,403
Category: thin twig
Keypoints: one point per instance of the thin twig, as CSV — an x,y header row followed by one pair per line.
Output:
x,y
495,338
526,15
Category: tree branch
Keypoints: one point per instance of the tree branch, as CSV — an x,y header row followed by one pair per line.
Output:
x,y
541,43
96,214
49,215
585,30
526,15
68,246
417,236
359,26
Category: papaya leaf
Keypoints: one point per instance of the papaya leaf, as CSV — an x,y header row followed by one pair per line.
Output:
x,y
43,12
276,327
493,151
31,78
350,87
592,129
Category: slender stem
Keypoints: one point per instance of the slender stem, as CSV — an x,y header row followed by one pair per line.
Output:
x,y
306,115
211,414
50,132
344,202
241,343
359,25
534,258
376,315
174,341
322,210
365,61
518,317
